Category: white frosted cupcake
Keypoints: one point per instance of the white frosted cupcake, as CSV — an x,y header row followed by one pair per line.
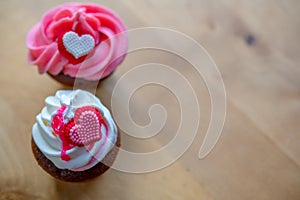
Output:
x,y
75,138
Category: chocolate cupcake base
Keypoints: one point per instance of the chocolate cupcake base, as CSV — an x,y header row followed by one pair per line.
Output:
x,y
77,82
72,176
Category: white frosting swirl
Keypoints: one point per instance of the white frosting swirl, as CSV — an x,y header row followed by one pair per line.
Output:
x,y
82,158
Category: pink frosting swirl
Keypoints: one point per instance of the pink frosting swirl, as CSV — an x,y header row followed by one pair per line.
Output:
x,y
106,28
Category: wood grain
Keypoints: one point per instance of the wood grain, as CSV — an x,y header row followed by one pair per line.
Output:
x,y
256,47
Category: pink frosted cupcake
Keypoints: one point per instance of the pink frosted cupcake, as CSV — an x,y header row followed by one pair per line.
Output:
x,y
78,41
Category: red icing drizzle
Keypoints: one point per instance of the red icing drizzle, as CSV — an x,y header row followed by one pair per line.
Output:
x,y
82,25
63,129
58,126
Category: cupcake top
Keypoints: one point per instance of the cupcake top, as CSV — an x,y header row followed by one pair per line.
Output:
x,y
78,39
74,130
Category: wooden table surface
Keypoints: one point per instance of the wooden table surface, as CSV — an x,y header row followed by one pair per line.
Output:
x,y
256,47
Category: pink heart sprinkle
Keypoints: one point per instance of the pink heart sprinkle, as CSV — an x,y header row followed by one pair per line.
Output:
x,y
87,129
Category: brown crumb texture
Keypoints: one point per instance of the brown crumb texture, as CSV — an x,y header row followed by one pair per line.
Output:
x,y
77,82
72,176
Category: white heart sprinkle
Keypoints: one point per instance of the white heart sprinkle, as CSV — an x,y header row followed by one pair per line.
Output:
x,y
78,46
